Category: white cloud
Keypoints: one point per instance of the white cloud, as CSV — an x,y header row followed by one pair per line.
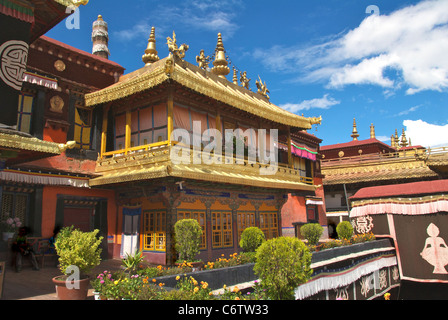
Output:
x,y
203,15
405,48
139,30
426,134
319,103
407,111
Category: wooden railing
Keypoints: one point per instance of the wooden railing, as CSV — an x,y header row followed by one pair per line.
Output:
x,y
246,164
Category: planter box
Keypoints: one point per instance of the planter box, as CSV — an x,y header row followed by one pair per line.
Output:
x,y
217,278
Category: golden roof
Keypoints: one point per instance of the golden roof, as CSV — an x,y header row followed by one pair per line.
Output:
x,y
203,82
19,141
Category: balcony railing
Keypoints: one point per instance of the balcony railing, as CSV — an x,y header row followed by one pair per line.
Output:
x,y
159,153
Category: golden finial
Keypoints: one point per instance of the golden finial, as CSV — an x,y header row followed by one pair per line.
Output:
x,y
392,141
150,55
404,141
220,65
372,131
355,134
235,76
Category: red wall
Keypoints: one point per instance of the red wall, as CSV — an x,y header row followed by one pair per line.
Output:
x,y
50,194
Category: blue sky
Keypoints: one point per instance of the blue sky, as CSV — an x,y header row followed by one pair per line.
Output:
x,y
379,61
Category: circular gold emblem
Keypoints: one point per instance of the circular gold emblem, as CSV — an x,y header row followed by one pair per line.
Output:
x,y
56,104
59,65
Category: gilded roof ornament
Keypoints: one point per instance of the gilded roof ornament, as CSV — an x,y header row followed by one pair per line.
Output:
x,y
150,55
355,134
262,88
174,49
404,141
372,131
244,80
235,76
220,64
203,60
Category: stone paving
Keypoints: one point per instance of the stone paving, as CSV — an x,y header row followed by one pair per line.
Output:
x,y
37,285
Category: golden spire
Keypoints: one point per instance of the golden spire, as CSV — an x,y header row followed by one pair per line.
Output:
x,y
372,131
150,55
235,76
392,141
220,64
404,141
355,134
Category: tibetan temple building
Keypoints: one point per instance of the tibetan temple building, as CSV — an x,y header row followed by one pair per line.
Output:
x,y
356,164
165,152
130,154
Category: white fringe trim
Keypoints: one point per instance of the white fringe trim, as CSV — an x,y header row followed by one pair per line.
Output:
x,y
336,281
42,179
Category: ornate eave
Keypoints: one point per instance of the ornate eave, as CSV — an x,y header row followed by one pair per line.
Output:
x,y
19,142
17,147
385,170
154,164
194,78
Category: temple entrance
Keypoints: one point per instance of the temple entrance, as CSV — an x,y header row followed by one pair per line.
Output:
x,y
131,226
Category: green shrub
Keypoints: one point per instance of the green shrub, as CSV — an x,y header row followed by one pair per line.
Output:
x,y
251,239
77,248
187,235
283,264
312,232
344,230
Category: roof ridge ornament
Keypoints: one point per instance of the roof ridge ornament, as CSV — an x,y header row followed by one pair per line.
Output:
x,y
220,64
202,60
150,55
262,88
174,49
355,134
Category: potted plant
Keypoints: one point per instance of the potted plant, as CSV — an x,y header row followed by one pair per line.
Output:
x,y
78,253
9,227
187,235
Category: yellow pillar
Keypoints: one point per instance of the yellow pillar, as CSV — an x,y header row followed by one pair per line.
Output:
x,y
170,115
127,143
104,133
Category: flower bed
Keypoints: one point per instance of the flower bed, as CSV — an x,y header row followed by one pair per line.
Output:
x,y
180,283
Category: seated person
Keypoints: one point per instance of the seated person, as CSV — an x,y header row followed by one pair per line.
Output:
x,y
23,249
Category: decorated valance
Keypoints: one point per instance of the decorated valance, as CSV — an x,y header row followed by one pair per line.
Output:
x,y
40,80
329,279
401,206
300,150
17,11
43,178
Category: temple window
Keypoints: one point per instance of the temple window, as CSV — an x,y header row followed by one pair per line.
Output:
x,y
24,111
199,216
83,128
246,219
269,224
154,230
14,205
148,125
222,229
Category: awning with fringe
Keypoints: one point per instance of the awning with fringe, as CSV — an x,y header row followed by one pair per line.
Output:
x,y
43,178
342,278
